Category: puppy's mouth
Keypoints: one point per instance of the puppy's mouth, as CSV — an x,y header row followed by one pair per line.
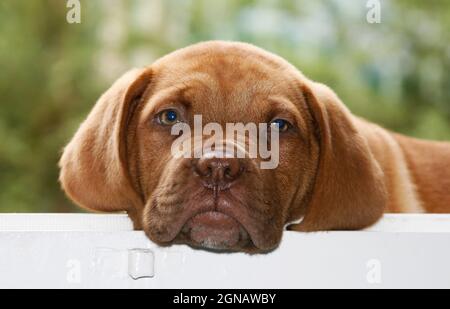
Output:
x,y
215,230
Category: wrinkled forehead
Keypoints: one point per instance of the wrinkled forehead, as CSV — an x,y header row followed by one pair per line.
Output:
x,y
227,77
221,69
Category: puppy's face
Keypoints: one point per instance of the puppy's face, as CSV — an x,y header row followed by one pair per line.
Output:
x,y
122,157
224,203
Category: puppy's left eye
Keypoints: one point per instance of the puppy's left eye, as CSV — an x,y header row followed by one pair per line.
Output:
x,y
169,117
281,125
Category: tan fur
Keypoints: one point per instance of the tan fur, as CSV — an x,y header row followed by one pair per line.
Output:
x,y
403,196
429,165
336,170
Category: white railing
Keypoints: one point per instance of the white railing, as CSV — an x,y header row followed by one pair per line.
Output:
x,y
103,251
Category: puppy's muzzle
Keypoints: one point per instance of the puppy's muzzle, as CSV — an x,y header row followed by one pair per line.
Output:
x,y
215,228
219,173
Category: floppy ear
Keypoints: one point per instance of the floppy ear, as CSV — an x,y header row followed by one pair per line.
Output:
x,y
349,190
94,169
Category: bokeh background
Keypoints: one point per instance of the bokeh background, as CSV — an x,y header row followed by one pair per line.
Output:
x,y
396,73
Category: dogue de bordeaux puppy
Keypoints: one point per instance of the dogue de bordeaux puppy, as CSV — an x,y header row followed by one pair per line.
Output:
x,y
336,171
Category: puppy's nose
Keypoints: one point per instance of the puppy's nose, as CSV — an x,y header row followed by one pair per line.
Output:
x,y
219,172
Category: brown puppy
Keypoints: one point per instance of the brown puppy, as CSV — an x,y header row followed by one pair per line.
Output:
x,y
336,171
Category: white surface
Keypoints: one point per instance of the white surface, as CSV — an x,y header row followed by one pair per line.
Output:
x,y
71,251
121,223
413,223
64,223
141,263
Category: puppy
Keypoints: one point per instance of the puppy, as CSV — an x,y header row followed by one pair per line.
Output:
x,y
335,171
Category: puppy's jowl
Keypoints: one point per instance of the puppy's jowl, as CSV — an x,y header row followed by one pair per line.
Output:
x,y
333,170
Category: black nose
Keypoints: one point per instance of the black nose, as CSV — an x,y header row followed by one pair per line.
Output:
x,y
219,173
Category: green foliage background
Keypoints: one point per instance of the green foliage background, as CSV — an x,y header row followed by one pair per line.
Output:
x,y
396,73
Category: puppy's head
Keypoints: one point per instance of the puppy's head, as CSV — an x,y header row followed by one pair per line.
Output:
x,y
122,158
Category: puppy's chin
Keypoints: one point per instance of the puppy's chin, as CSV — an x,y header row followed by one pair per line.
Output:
x,y
215,231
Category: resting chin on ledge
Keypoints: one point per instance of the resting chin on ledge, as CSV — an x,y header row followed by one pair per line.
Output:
x,y
335,171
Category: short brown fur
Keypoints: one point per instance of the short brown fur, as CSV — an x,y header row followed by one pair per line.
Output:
x,y
336,170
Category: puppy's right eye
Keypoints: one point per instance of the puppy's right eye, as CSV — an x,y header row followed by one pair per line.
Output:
x,y
281,125
168,117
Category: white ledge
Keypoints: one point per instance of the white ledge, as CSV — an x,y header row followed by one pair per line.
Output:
x,y
422,223
98,251
65,223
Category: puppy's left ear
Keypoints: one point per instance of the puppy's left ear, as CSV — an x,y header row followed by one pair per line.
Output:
x,y
349,191
94,165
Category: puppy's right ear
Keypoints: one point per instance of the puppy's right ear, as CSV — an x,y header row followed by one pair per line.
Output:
x,y
349,191
94,165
